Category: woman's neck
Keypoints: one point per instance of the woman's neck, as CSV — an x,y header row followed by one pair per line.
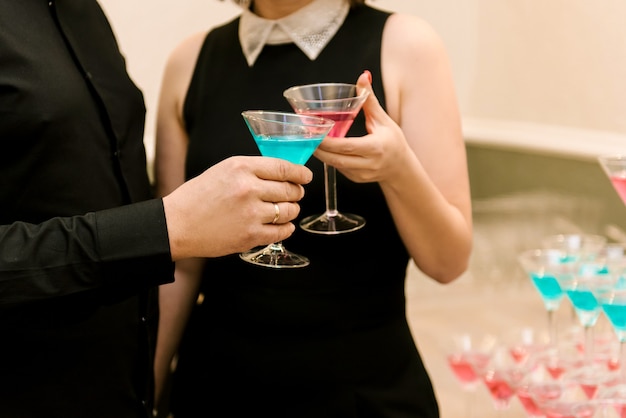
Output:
x,y
276,9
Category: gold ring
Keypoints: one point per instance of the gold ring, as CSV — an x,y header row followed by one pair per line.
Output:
x,y
276,214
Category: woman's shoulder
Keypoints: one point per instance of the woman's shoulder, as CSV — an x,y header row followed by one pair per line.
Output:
x,y
409,42
179,69
409,32
187,50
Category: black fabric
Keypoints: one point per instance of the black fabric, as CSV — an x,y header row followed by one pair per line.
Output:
x,y
328,340
78,265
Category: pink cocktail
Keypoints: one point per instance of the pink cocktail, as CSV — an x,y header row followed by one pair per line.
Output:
x,y
467,353
591,378
503,376
614,396
614,166
558,359
464,366
528,403
501,387
524,342
343,120
341,103
555,399
619,183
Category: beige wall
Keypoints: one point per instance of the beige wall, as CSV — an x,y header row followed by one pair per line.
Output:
x,y
148,30
556,62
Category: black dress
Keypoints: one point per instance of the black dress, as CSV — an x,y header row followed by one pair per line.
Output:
x,y
328,340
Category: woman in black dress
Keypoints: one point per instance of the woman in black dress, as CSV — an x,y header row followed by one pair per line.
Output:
x,y
331,339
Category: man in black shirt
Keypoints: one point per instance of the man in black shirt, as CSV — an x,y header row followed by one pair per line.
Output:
x,y
83,243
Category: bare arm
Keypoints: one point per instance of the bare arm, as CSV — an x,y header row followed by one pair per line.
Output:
x,y
415,151
176,300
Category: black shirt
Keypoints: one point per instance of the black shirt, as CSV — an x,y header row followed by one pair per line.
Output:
x,y
79,265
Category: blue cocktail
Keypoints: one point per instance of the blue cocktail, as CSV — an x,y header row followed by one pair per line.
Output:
x,y
545,268
293,138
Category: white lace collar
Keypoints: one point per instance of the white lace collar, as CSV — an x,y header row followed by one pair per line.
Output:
x,y
310,28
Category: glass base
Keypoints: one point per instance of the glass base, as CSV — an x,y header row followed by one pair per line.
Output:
x,y
274,256
331,225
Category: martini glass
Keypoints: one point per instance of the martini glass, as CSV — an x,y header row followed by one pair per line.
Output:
x,y
524,342
613,302
291,137
578,248
503,375
553,398
580,289
614,167
558,359
341,103
613,257
468,355
613,397
544,267
591,377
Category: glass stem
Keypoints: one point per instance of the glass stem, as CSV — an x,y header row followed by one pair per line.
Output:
x,y
469,399
588,344
278,246
551,326
277,251
622,358
330,184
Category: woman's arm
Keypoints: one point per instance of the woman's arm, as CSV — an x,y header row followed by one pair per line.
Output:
x,y
177,299
415,150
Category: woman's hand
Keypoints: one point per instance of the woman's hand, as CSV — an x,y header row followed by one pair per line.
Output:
x,y
371,158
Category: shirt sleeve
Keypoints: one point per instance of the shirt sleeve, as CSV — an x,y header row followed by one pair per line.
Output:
x,y
66,255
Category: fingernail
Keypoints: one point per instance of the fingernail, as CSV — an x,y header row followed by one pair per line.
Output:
x,y
369,75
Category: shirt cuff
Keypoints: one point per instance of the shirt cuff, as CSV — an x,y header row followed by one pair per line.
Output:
x,y
133,231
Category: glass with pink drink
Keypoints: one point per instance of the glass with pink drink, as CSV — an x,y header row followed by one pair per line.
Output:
x,y
341,103
614,167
